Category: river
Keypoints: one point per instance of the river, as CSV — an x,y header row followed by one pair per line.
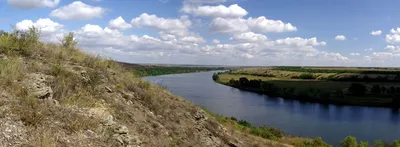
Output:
x,y
331,122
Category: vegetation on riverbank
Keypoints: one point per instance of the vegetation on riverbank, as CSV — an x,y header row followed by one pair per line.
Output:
x,y
143,71
305,87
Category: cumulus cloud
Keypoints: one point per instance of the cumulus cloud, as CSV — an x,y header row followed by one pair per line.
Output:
x,y
263,24
233,11
392,48
340,37
78,11
382,56
169,25
94,37
119,23
50,31
376,33
297,41
248,37
216,41
260,24
193,39
354,54
394,36
32,4
46,25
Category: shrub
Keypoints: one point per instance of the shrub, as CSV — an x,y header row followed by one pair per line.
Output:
x,y
357,89
68,41
306,76
349,141
379,143
244,123
363,144
233,118
319,142
376,89
396,143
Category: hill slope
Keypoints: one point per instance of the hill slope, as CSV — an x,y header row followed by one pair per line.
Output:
x,y
55,95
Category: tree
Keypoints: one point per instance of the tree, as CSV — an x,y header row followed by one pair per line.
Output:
x,y
383,89
376,89
357,89
349,141
391,90
243,81
232,82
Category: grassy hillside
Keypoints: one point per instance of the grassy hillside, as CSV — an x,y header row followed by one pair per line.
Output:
x,y
56,95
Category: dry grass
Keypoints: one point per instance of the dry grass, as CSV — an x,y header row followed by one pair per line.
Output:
x,y
156,116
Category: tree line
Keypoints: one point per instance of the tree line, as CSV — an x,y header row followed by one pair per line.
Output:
x,y
327,70
315,94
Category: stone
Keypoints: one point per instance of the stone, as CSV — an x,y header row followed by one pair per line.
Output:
x,y
90,133
121,130
36,83
200,115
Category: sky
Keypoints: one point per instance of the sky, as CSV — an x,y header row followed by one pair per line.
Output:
x,y
220,32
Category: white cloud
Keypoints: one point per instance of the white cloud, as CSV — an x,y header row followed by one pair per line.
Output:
x,y
394,36
119,23
169,25
193,39
376,33
167,37
355,54
46,25
32,4
233,11
78,11
368,49
50,31
94,37
216,41
340,37
297,41
263,24
248,37
260,24
382,56
393,49
222,25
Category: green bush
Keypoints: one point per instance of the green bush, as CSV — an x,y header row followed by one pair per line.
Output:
x,y
363,144
68,41
244,123
306,76
349,141
379,143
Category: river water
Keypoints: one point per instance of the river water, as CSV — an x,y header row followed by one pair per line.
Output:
x,y
331,122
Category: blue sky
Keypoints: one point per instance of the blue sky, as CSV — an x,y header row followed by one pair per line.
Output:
x,y
223,32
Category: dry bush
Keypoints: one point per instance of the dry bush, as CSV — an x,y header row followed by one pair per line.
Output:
x,y
10,70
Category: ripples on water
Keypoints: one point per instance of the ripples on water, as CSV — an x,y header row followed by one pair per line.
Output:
x,y
331,122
